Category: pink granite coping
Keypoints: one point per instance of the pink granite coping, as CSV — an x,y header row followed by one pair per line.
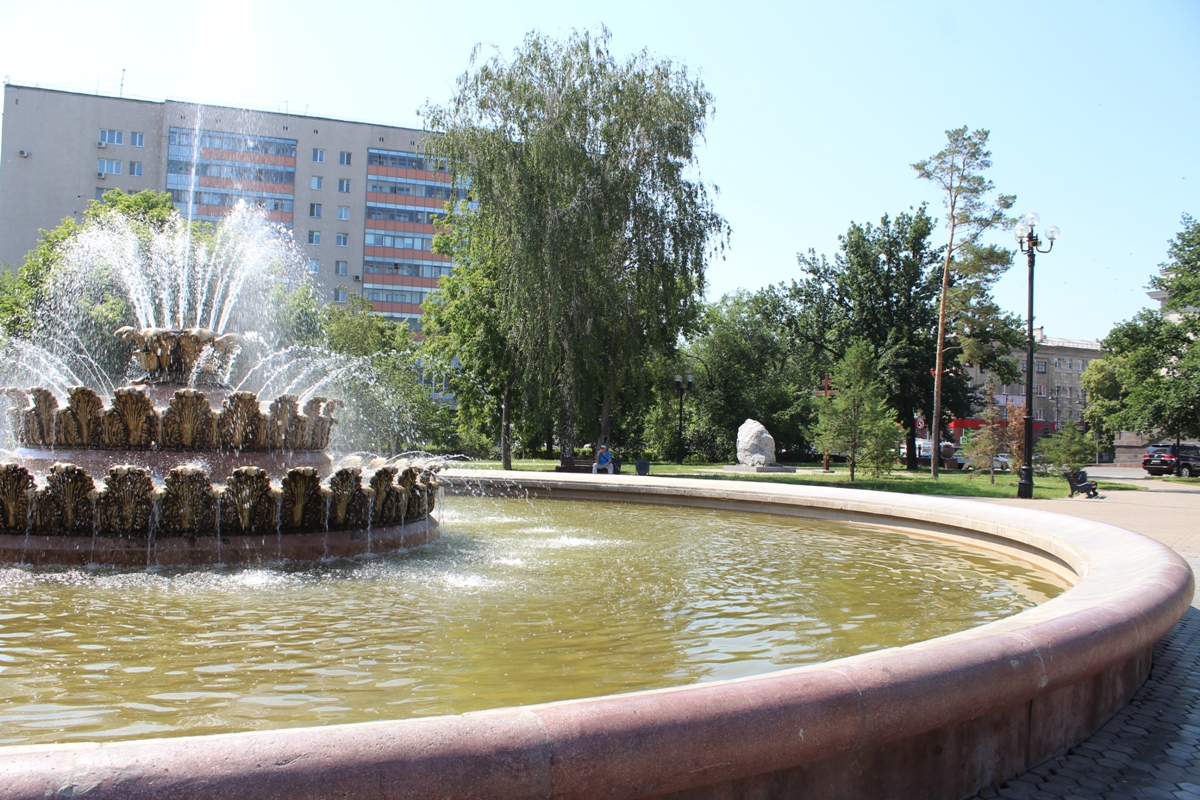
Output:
x,y
939,718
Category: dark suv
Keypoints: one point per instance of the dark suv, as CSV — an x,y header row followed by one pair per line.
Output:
x,y
1169,459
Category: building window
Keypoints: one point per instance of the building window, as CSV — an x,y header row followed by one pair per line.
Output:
x,y
343,240
135,169
318,155
318,182
108,166
339,267
137,139
111,137
343,212
314,210
314,265
339,294
100,190
1041,366
1024,365
1040,390
344,185
1039,414
344,159
314,237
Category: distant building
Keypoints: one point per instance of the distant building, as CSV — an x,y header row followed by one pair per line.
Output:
x,y
359,197
1058,397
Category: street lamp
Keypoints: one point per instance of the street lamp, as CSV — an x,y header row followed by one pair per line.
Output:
x,y
681,387
1030,244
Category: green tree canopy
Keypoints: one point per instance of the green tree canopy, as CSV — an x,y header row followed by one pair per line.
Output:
x,y
1148,380
583,210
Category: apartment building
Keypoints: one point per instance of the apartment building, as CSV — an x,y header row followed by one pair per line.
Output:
x,y
1058,396
360,198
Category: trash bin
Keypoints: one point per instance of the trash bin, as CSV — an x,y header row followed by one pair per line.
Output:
x,y
643,466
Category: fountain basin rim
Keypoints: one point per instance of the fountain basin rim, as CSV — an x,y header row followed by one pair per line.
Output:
x,y
1044,669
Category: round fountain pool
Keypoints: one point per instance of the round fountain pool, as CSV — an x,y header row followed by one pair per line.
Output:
x,y
518,603
940,717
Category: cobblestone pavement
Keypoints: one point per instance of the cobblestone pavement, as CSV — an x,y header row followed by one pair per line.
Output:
x,y
1150,748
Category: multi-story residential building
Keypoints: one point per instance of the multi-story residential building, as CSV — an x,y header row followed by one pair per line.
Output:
x,y
1058,397
360,198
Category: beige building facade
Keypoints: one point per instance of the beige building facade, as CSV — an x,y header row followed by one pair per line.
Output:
x,y
1058,396
359,198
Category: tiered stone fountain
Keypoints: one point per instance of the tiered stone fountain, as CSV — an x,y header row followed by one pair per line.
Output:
x,y
190,481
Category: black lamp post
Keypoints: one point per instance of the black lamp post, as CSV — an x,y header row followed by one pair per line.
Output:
x,y
681,387
1030,244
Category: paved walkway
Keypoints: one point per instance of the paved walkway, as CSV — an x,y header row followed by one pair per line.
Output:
x,y
1151,748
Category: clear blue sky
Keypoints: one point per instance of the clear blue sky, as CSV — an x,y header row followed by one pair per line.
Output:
x,y
1094,107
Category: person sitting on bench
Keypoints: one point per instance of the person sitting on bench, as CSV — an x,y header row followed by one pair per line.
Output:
x,y
603,461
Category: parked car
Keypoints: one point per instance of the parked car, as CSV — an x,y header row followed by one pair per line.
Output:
x,y
1169,459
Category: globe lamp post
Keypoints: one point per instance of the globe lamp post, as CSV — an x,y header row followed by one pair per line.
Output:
x,y
681,387
1030,244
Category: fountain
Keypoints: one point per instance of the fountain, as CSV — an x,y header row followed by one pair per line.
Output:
x,y
177,465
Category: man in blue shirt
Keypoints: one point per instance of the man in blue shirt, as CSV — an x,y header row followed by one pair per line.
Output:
x,y
603,461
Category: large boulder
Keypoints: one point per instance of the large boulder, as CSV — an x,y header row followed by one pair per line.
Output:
x,y
755,447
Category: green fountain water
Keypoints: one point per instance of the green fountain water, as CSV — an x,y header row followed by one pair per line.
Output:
x,y
520,602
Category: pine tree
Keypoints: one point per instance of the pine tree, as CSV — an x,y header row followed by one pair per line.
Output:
x,y
857,421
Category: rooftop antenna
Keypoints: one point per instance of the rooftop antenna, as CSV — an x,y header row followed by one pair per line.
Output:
x,y
121,92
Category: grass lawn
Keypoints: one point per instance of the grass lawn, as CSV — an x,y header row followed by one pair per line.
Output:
x,y
953,482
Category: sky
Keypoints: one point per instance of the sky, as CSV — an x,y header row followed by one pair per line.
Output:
x,y
821,107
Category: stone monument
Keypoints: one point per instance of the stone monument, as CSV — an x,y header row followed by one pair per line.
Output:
x,y
756,450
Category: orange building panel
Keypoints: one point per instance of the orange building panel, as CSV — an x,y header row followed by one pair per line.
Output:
x,y
411,174
414,281
406,200
222,211
397,308
246,186
396,252
248,158
403,227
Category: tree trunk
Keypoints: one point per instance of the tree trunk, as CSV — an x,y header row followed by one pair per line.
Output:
x,y
506,427
606,417
935,424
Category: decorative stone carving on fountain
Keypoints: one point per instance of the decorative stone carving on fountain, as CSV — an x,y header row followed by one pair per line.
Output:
x,y
188,423
241,425
388,499
349,506
303,506
125,506
178,356
131,423
130,516
188,518
81,423
248,505
66,505
189,504
16,485
32,415
286,426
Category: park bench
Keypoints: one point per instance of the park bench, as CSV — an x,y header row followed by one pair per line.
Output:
x,y
1080,484
577,464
